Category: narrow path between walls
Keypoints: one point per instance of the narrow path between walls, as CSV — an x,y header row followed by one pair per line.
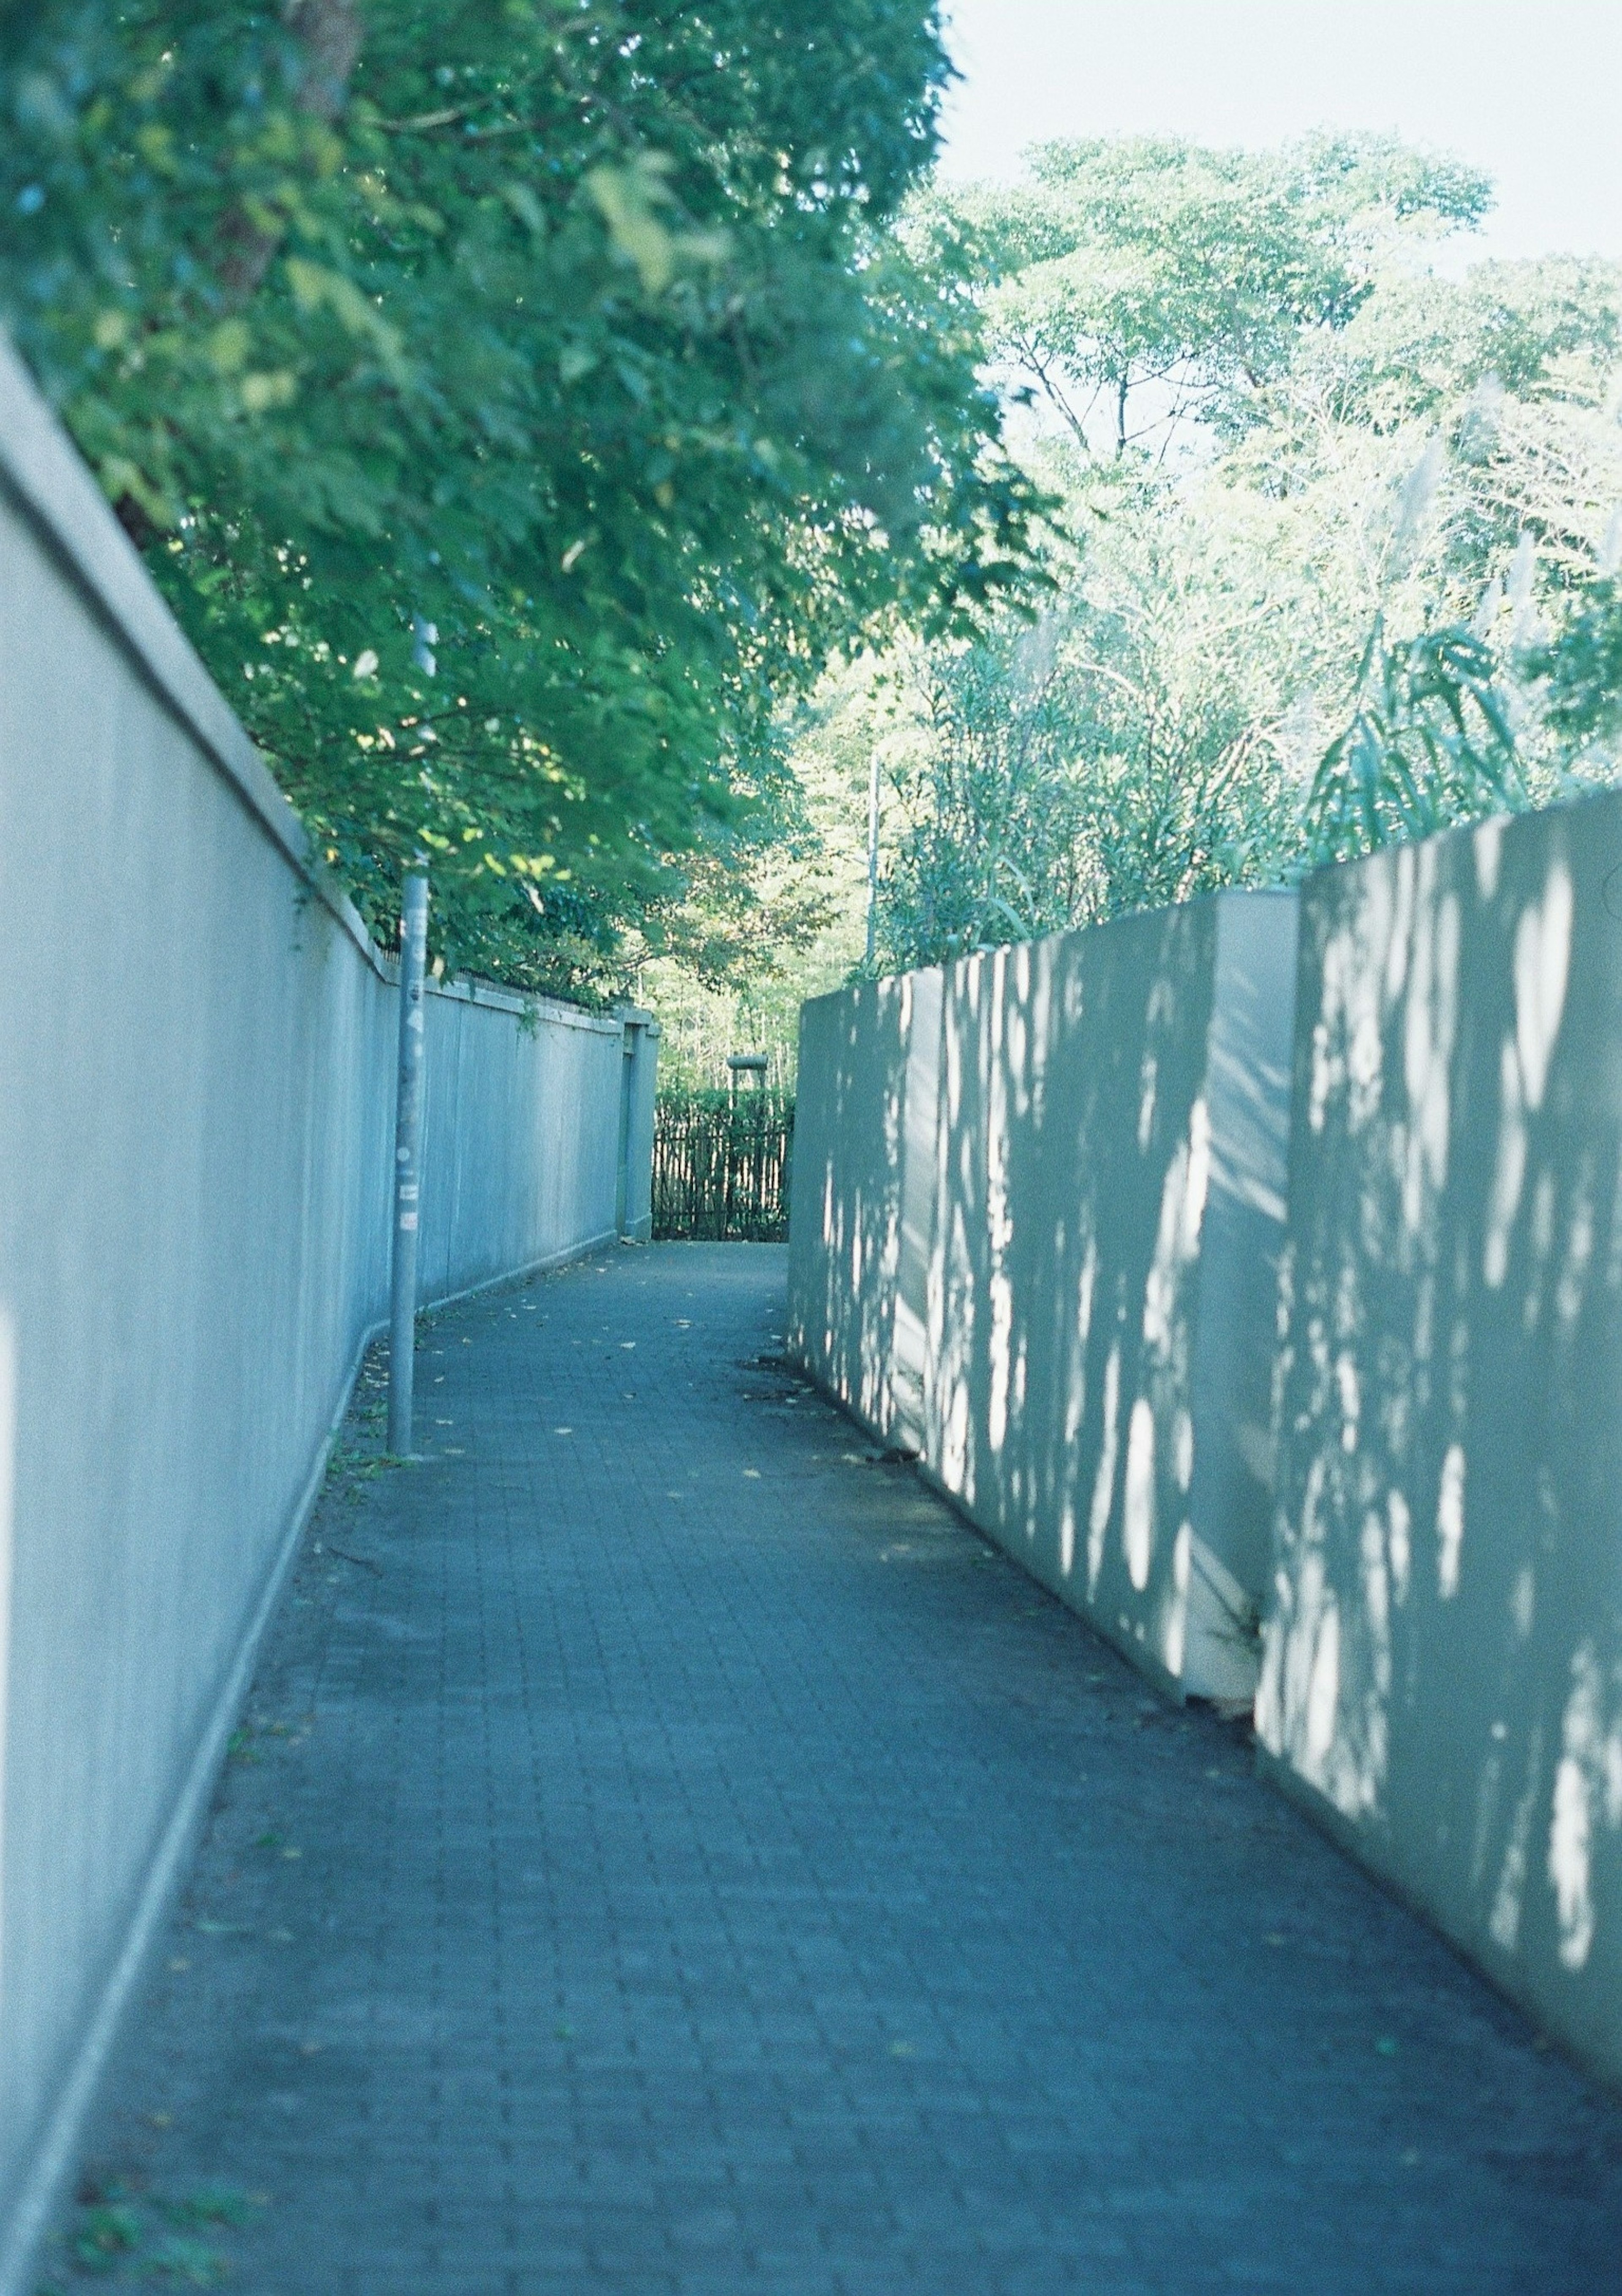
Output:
x,y
666,1850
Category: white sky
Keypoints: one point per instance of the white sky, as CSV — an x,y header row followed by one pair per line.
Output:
x,y
1529,90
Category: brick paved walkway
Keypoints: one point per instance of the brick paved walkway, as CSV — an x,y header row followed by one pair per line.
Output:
x,y
669,1852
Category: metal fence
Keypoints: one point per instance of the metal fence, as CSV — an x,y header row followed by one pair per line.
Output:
x,y
721,1166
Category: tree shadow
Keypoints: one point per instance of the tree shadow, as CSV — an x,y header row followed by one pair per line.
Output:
x,y
1443,1659
1009,1178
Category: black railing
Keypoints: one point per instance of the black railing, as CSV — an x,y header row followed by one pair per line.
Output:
x,y
721,1165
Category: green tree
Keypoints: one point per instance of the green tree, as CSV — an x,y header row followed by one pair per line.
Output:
x,y
1125,753
1581,668
514,397
1371,593
1141,281
1430,741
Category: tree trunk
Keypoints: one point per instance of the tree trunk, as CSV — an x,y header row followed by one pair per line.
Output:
x,y
329,34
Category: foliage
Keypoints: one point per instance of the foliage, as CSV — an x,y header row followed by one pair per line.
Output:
x,y
1421,345
994,847
1124,753
779,914
515,398
1031,812
1583,667
1372,592
1152,266
1429,742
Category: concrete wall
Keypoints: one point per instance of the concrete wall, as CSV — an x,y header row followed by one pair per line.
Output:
x,y
1443,1676
845,1186
1014,1183
197,1058
510,1082
1043,1233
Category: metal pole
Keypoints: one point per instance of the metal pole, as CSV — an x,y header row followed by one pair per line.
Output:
x,y
408,1166
873,853
622,1170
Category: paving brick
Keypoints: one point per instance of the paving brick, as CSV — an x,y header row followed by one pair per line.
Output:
x,y
715,1879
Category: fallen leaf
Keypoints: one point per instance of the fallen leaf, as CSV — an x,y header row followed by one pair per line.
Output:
x,y
188,2260
105,2235
209,2204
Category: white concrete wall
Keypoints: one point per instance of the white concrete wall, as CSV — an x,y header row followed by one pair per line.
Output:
x,y
197,1061
1039,1234
844,1189
504,1093
1008,1181
1442,1679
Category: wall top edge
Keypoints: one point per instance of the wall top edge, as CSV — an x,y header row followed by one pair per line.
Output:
x,y
1504,825
53,489
467,989
462,988
1217,898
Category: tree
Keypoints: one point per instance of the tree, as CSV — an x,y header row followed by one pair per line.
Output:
x,y
1152,280
1582,668
1372,594
1125,753
1429,742
776,914
514,398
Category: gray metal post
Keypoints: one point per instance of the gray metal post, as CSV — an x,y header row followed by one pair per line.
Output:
x,y
408,1166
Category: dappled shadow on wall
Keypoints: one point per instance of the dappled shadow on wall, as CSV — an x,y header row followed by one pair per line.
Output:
x,y
844,1224
1444,1660
1000,1261
1101,1291
1075,1158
